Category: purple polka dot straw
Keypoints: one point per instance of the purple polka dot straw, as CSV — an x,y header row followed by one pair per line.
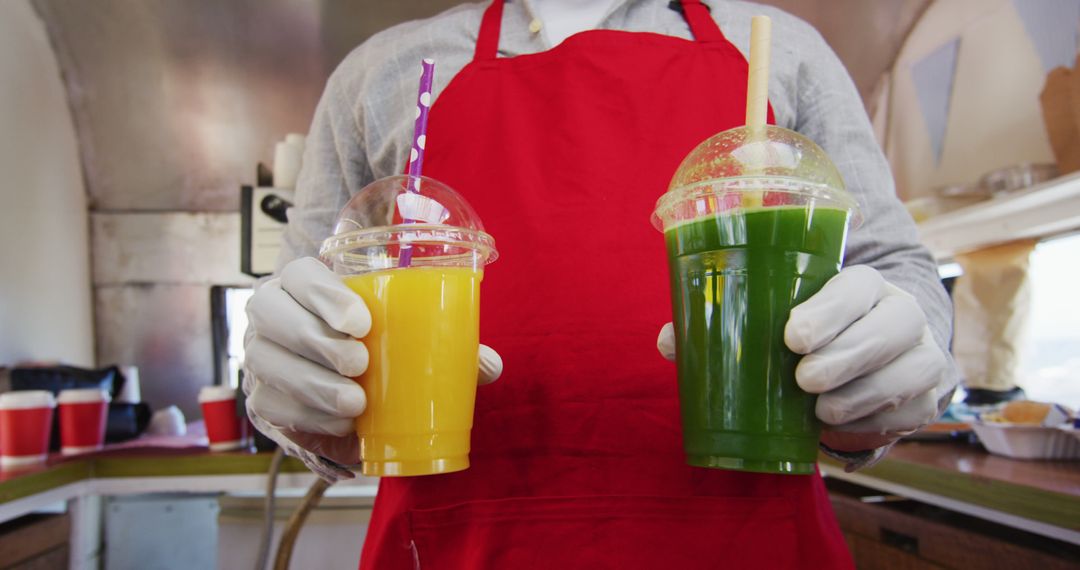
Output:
x,y
416,156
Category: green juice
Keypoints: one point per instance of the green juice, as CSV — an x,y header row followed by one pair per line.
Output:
x,y
734,280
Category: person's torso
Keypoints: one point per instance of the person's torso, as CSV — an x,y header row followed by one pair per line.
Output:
x,y
383,103
577,456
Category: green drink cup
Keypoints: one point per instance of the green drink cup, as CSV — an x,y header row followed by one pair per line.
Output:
x,y
755,222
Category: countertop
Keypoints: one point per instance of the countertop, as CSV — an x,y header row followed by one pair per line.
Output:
x,y
1037,496
153,465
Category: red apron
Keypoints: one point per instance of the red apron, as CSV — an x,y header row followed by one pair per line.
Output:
x,y
577,457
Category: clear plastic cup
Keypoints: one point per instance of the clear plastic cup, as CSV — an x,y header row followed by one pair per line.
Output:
x,y
422,368
755,223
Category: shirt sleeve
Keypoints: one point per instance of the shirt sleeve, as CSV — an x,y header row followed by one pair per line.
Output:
x,y
335,167
830,112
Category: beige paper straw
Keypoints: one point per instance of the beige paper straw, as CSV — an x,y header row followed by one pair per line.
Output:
x,y
757,85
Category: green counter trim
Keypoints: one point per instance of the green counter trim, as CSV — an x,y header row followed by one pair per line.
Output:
x,y
191,465
204,465
1047,507
1043,506
42,481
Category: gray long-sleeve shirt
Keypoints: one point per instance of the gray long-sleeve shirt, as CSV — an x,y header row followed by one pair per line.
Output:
x,y
363,125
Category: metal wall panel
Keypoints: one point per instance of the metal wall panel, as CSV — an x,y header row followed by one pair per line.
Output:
x,y
175,248
161,532
176,101
165,331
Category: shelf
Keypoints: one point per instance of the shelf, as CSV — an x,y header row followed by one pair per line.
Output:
x,y
1042,211
1041,497
153,470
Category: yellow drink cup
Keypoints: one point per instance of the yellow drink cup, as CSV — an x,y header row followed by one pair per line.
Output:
x,y
417,259
421,375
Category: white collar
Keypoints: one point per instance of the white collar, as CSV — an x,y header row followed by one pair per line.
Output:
x,y
555,20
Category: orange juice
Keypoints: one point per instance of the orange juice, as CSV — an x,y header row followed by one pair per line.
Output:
x,y
421,375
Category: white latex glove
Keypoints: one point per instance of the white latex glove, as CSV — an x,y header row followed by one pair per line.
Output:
x,y
300,352
870,356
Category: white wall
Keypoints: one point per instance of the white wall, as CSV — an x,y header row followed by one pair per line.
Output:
x,y
994,118
45,303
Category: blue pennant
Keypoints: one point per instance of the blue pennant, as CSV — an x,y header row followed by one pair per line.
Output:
x,y
933,76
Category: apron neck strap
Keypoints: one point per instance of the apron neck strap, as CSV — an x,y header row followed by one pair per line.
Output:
x,y
702,24
487,44
696,14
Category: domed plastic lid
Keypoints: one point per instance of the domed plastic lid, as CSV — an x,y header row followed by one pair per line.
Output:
x,y
385,221
740,168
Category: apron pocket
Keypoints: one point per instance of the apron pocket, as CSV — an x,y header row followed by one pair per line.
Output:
x,y
622,532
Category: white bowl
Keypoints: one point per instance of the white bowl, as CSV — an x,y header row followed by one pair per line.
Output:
x,y
1028,442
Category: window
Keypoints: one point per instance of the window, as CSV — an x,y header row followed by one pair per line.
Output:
x,y
1050,364
229,321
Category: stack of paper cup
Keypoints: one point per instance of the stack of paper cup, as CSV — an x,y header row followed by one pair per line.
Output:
x,y
288,155
129,392
224,427
25,427
83,414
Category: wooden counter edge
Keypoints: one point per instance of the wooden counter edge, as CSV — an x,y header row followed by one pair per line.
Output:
x,y
172,465
1058,509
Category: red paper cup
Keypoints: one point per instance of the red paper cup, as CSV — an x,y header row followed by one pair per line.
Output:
x,y
25,426
248,431
82,420
223,425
